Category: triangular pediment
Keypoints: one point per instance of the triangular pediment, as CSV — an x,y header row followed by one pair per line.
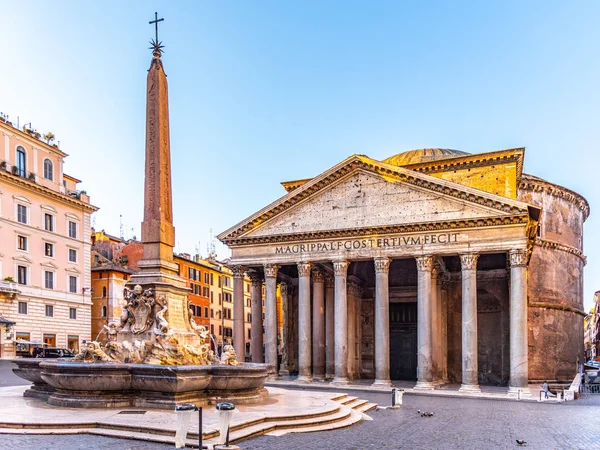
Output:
x,y
363,193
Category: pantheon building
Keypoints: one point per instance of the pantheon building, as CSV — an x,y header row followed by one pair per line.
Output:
x,y
433,265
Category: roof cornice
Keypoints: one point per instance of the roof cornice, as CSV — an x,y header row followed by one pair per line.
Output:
x,y
33,187
532,183
357,162
31,140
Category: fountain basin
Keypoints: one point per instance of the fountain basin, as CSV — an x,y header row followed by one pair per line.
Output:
x,y
107,385
29,369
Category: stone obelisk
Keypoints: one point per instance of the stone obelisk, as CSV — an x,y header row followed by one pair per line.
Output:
x,y
157,269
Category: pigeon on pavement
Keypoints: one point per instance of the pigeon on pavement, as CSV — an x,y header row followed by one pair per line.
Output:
x,y
521,442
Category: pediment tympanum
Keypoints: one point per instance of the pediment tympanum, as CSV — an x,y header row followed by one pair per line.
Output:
x,y
360,193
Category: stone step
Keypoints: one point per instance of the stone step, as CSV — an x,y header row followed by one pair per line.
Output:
x,y
366,407
356,403
354,418
348,399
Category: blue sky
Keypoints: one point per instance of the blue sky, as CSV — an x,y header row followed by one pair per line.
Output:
x,y
266,91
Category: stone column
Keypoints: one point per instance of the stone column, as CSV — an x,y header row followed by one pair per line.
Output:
x,y
329,328
382,322
239,338
519,362
304,323
340,269
256,343
318,324
444,332
436,348
285,353
424,365
271,315
351,301
470,381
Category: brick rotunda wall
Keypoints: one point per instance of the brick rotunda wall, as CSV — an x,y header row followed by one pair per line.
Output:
x,y
555,280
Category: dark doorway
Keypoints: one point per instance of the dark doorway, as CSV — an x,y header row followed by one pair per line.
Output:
x,y
403,341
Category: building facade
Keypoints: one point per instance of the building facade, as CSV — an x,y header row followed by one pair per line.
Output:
x,y
591,340
44,247
432,265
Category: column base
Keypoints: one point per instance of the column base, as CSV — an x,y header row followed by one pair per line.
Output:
x,y
330,376
382,383
340,381
519,392
304,379
470,389
284,373
424,386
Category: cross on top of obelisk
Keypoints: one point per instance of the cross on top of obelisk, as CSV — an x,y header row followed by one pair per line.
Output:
x,y
157,48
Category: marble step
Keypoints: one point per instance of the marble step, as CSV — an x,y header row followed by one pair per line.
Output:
x,y
348,399
366,407
353,418
356,403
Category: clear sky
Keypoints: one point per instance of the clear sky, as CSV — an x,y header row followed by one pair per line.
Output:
x,y
267,91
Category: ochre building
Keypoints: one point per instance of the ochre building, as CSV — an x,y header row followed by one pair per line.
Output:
x,y
432,265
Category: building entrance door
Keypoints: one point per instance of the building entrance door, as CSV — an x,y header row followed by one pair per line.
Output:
x,y
403,341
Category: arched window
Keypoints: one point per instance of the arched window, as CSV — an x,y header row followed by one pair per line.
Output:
x,y
48,170
21,162
104,311
104,291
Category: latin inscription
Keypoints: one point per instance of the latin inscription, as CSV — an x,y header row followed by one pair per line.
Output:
x,y
361,244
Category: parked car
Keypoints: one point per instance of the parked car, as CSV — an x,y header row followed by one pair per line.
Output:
x,y
52,352
591,363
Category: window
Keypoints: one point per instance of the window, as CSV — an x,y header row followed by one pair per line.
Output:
x,y
104,291
48,172
21,242
219,281
205,291
249,333
104,311
73,343
48,222
49,311
22,274
247,287
219,314
49,249
227,281
249,317
22,214
212,313
21,164
220,330
212,329
220,302
72,284
212,296
206,277
22,307
206,311
72,255
73,313
72,229
48,279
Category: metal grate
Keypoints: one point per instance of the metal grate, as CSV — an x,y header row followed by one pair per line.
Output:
x,y
589,388
133,412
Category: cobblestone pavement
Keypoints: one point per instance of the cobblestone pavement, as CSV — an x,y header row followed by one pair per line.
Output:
x,y
456,424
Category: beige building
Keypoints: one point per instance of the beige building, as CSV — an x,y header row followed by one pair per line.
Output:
x,y
432,265
44,247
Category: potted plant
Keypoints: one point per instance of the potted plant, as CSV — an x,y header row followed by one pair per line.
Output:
x,y
31,176
15,170
49,137
3,165
9,279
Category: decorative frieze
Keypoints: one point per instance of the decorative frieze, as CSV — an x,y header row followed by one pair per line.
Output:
x,y
271,270
468,261
518,257
304,269
382,265
546,243
424,263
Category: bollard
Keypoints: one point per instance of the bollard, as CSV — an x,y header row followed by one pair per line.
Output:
x,y
397,397
225,414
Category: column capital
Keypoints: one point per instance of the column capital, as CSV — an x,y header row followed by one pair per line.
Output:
x,y
271,270
304,269
468,261
329,281
424,263
382,265
317,275
340,267
355,289
436,270
238,270
518,257
255,278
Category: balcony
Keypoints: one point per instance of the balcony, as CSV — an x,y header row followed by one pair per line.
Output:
x,y
8,290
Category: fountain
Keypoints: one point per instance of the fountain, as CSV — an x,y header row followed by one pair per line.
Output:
x,y
156,355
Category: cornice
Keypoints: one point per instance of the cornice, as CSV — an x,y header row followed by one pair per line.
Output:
x,y
381,230
470,161
535,184
31,140
546,243
557,306
356,162
22,182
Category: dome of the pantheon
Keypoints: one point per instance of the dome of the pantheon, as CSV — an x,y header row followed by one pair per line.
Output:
x,y
422,155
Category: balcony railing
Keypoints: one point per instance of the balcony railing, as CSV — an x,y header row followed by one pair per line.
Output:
x,y
8,289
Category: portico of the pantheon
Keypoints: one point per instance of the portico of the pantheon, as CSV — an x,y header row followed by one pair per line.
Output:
x,y
432,265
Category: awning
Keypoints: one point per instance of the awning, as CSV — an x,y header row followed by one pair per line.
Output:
x,y
5,321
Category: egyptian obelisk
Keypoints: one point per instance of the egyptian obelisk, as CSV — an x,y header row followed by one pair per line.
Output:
x,y
157,269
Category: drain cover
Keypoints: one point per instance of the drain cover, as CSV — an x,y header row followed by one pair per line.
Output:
x,y
132,412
